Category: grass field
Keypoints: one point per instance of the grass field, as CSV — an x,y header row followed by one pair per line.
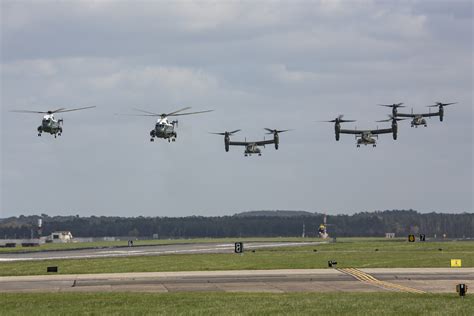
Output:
x,y
235,304
360,253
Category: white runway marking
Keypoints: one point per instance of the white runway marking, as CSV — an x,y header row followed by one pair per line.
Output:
x,y
109,253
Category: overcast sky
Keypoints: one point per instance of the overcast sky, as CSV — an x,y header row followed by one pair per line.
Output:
x,y
285,64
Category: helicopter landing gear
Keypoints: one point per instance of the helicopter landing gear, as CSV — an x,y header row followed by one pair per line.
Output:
x,y
169,140
55,135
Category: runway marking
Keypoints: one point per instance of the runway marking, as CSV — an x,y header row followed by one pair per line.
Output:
x,y
201,248
369,279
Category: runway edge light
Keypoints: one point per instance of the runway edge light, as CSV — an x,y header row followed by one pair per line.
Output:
x,y
456,263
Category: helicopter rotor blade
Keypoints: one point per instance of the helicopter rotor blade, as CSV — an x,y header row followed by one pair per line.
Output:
x,y
190,113
62,110
28,111
173,113
147,112
121,114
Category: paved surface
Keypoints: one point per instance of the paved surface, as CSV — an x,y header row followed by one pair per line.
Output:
x,y
309,280
145,250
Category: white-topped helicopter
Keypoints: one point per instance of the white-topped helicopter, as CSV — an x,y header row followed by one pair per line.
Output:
x,y
50,124
164,128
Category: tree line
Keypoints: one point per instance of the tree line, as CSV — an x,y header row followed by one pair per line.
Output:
x,y
250,224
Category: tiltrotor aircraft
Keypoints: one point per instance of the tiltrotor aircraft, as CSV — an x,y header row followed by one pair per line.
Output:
x,y
418,119
164,128
252,147
365,137
50,124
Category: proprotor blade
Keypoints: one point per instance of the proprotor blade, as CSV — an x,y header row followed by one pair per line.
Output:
x,y
441,104
226,132
273,131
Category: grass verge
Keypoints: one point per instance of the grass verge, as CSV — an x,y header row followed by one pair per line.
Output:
x,y
359,254
210,303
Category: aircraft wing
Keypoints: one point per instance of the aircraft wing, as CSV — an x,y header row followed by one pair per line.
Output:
x,y
406,115
381,131
351,131
239,143
264,142
258,143
430,114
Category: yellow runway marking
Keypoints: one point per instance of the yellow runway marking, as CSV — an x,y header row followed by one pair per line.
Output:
x,y
367,278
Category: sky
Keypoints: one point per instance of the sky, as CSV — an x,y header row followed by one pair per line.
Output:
x,y
257,64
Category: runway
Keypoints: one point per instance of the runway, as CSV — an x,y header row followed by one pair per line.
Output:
x,y
156,250
411,280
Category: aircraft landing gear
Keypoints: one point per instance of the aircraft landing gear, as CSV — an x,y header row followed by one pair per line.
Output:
x,y
173,139
259,154
39,134
358,145
152,139
374,145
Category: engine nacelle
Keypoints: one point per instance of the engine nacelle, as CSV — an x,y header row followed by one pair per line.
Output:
x,y
276,139
226,143
441,114
394,129
337,129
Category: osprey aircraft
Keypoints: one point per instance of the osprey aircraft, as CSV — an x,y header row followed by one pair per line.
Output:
x,y
418,119
163,128
365,137
50,124
252,147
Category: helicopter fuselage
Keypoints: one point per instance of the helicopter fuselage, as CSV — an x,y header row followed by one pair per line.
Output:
x,y
50,125
164,129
